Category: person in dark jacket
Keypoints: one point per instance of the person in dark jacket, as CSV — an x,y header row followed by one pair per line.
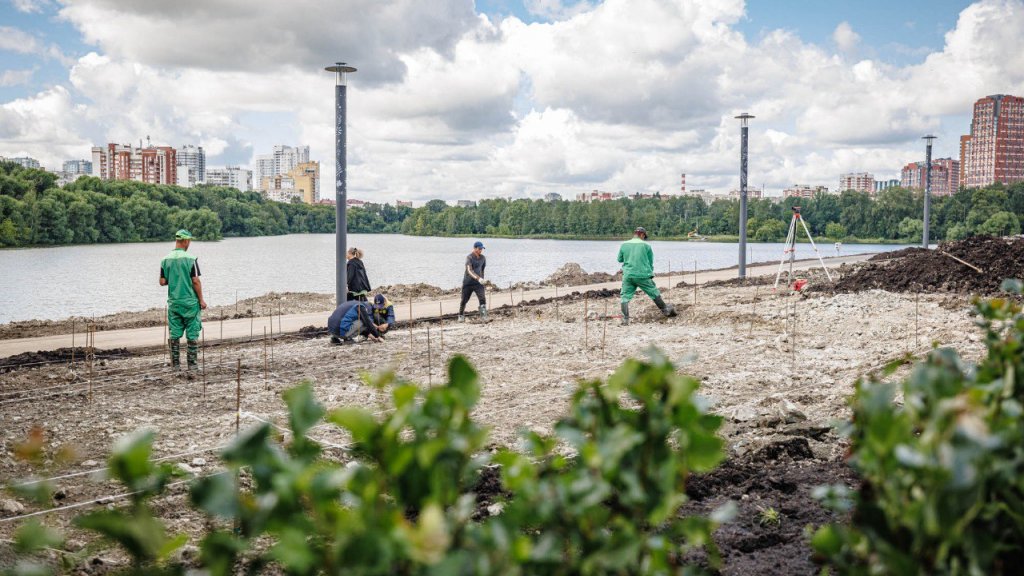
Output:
x,y
383,313
351,319
473,281
358,282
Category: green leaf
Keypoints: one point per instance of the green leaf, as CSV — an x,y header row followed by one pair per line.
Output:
x,y
32,536
303,409
360,423
216,494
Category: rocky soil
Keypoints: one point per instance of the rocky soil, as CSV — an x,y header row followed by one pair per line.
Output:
x,y
777,366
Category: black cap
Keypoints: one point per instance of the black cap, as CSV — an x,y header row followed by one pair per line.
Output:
x,y
640,230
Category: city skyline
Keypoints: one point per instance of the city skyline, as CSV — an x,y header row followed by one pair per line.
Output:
x,y
462,101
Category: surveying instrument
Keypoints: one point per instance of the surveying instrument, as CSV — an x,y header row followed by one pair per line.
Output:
x,y
790,249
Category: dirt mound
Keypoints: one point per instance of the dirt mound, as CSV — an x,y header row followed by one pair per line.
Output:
x,y
43,357
949,268
402,292
572,274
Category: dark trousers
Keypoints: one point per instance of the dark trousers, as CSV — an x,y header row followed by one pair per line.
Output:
x,y
467,291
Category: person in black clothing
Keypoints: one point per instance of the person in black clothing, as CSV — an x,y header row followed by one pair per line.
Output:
x,y
473,281
358,283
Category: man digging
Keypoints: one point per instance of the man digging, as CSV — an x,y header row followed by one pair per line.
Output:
x,y
637,260
179,271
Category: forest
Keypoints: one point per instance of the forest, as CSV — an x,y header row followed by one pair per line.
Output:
x,y
35,211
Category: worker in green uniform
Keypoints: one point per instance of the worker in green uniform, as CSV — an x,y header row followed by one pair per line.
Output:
x,y
637,260
179,271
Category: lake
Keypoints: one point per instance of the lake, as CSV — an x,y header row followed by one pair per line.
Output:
x,y
54,283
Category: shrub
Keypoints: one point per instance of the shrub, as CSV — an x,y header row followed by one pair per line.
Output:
x,y
942,475
600,496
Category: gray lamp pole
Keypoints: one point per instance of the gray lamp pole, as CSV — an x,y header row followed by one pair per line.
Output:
x,y
743,118
340,190
927,187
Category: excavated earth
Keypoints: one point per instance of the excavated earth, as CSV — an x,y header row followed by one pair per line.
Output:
x,y
777,366
976,265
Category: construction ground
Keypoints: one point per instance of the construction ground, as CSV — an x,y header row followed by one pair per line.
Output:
x,y
778,365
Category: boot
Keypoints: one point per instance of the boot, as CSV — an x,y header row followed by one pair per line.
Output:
x,y
462,318
175,346
667,309
483,312
625,314
192,355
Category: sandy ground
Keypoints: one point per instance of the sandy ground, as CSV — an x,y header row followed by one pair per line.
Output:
x,y
738,340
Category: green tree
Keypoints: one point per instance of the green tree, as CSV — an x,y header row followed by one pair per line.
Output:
x,y
771,230
911,229
1001,223
835,231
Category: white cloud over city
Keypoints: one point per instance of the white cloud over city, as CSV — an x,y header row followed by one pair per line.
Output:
x,y
449,103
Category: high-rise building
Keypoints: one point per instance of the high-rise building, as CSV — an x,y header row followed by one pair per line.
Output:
x,y
804,191
945,176
282,161
885,184
79,167
193,158
230,176
859,181
306,177
152,164
25,162
994,150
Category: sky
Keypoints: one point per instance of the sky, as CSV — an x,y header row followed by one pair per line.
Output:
x,y
456,99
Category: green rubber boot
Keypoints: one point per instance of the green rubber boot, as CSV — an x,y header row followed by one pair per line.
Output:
x,y
625,314
175,347
192,354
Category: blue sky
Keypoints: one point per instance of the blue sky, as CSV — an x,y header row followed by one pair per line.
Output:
x,y
526,115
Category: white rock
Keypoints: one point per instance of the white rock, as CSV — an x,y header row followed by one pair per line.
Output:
x,y
186,468
199,461
11,506
495,509
90,464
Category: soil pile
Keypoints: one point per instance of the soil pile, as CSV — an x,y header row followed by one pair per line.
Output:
x,y
572,274
60,355
402,292
940,270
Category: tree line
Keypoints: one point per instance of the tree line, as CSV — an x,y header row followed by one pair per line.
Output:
x,y
35,211
894,215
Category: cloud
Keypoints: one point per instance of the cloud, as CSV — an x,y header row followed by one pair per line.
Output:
x,y
556,9
447,103
269,36
845,38
15,77
21,42
31,6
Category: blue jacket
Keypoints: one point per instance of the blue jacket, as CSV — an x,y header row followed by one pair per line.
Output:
x,y
344,316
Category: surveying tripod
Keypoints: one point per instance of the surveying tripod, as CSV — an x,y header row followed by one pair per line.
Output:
x,y
790,248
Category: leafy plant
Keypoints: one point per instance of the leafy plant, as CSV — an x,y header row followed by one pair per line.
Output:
x,y
943,475
769,517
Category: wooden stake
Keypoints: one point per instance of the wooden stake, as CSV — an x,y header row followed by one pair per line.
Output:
x,y
271,333
72,343
670,274
91,355
753,310
266,380
250,327
203,334
604,328
278,317
510,300
429,382
236,303
586,321
410,322
222,326
694,282
440,317
917,323
558,315
238,394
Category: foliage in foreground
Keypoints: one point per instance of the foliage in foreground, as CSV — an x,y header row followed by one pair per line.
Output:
x,y
601,496
943,475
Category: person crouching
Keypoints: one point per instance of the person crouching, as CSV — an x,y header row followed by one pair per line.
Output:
x,y
351,319
383,313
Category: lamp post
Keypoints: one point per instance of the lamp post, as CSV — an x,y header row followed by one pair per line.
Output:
x,y
340,167
927,187
743,118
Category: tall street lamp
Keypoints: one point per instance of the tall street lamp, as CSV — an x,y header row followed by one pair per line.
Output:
x,y
743,118
927,187
340,167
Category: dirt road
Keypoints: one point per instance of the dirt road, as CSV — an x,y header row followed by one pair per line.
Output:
x,y
254,328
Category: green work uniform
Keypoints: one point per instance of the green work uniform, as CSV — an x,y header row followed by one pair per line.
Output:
x,y
178,268
637,260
